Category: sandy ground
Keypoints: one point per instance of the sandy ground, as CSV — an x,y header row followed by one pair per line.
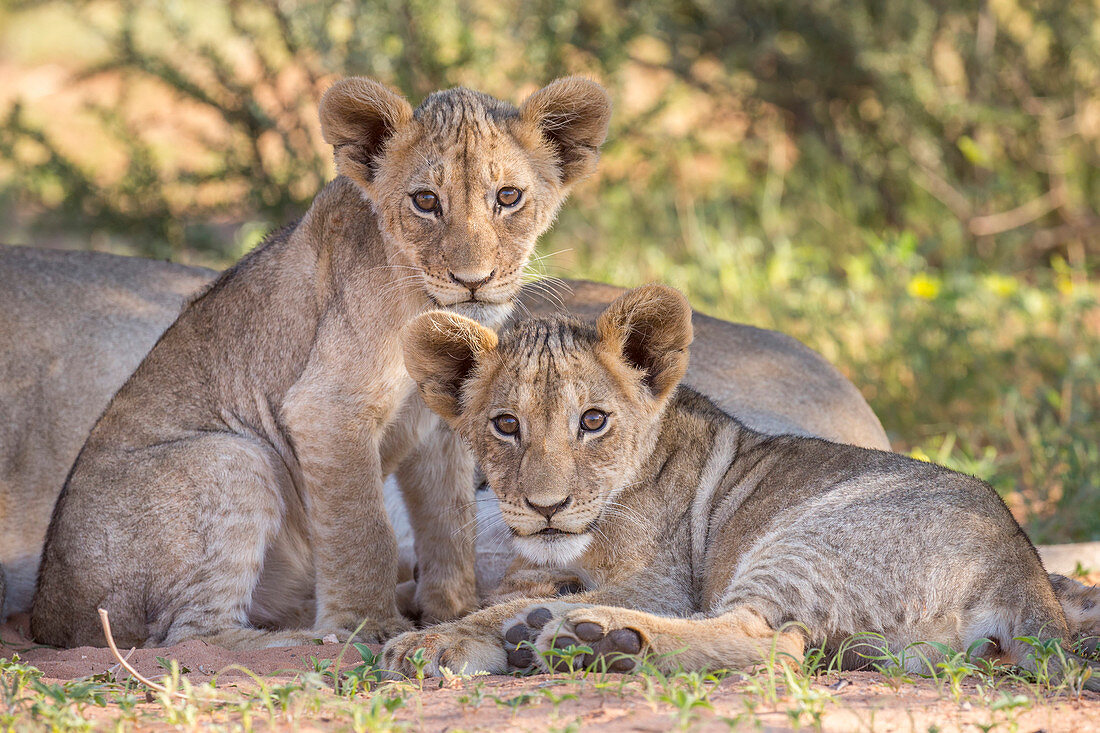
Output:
x,y
204,660
858,700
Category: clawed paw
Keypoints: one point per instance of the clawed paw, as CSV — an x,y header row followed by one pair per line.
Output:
x,y
428,652
369,631
539,636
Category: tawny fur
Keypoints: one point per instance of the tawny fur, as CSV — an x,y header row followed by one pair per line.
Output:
x,y
78,323
237,476
703,538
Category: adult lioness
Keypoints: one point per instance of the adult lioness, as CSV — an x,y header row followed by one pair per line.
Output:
x,y
704,538
237,475
76,324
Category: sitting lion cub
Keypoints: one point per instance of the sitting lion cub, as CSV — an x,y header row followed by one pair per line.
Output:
x,y
233,486
703,538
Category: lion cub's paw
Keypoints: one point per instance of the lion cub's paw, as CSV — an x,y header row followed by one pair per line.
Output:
x,y
554,626
541,582
444,602
446,645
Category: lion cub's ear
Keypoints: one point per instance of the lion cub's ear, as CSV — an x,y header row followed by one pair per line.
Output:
x,y
572,114
358,116
441,351
650,328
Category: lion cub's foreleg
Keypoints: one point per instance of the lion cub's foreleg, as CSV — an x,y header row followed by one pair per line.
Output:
x,y
336,414
738,638
354,546
437,483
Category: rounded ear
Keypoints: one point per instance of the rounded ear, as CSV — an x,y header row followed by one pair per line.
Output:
x,y
441,351
650,329
358,116
572,115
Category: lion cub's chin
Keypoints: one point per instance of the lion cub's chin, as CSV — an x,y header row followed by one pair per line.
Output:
x,y
490,315
554,551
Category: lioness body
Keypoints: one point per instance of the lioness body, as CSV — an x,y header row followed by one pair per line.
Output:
x,y
223,490
79,323
75,325
703,538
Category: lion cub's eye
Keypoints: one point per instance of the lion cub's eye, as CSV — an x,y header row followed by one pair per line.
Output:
x,y
506,424
509,196
426,201
593,420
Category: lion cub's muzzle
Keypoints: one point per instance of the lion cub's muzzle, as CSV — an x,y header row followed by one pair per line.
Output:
x,y
470,287
550,521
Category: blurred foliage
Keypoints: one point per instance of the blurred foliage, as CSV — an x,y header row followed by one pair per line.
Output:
x,y
911,188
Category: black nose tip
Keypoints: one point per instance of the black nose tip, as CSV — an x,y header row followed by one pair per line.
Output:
x,y
552,509
472,285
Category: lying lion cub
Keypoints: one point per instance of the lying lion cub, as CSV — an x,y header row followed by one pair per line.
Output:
x,y
704,539
233,487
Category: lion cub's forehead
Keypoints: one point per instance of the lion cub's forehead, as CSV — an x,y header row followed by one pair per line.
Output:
x,y
466,133
548,359
551,343
452,115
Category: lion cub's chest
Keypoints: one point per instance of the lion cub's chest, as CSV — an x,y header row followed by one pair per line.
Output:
x,y
353,385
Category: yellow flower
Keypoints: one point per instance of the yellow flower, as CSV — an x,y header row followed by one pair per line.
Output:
x,y
924,287
1002,285
920,455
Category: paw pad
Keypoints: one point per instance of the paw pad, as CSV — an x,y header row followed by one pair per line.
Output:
x,y
625,641
587,631
520,657
611,651
539,618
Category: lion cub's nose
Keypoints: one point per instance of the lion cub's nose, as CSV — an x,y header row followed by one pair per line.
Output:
x,y
472,280
551,509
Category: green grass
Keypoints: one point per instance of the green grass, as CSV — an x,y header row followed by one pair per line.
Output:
x,y
798,694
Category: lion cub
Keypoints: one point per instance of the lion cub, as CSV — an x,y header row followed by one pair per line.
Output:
x,y
703,538
233,486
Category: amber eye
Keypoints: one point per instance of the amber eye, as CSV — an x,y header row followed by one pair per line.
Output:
x,y
506,424
426,201
508,196
593,420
